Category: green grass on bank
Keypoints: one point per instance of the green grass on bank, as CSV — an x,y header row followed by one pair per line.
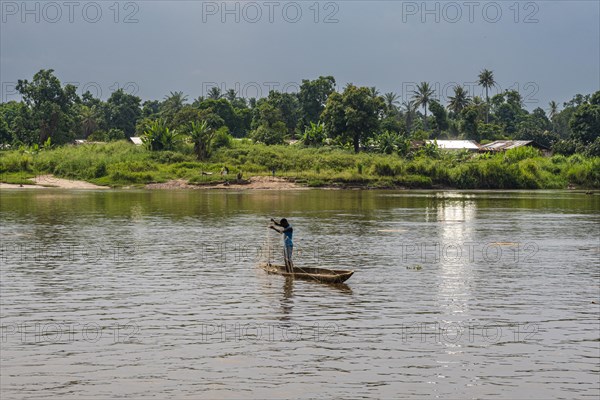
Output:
x,y
121,163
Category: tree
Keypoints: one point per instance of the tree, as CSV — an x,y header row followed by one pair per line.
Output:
x,y
289,107
151,108
202,136
353,116
374,91
459,101
552,109
88,118
314,135
15,117
441,117
387,142
422,96
585,123
214,93
391,103
172,104
123,111
270,128
470,116
552,113
184,117
234,119
508,111
312,97
231,95
489,131
50,105
486,79
409,109
157,136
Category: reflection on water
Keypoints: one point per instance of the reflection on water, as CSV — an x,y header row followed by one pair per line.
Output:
x,y
156,294
456,215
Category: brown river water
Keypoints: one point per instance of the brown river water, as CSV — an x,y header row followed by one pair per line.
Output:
x,y
157,294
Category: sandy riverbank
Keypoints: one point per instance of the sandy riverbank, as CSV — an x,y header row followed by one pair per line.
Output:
x,y
50,181
254,183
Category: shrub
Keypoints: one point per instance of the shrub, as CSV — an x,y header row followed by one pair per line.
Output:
x,y
520,153
385,169
222,138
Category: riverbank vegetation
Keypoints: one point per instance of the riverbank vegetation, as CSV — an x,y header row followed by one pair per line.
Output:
x,y
124,164
352,137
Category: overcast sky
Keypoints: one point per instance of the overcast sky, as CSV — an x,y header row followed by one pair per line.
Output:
x,y
549,50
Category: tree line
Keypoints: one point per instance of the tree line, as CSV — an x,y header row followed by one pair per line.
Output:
x,y
356,117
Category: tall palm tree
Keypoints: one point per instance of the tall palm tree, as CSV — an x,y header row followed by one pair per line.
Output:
x,y
198,100
486,79
374,91
422,97
214,93
460,99
89,120
409,109
173,103
202,135
231,95
553,112
391,101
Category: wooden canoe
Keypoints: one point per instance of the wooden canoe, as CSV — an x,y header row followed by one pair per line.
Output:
x,y
313,274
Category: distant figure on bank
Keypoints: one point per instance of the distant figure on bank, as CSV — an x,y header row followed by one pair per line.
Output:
x,y
273,171
288,246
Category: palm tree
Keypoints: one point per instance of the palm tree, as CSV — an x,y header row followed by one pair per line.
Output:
x,y
477,101
374,91
214,93
460,100
409,109
176,99
231,95
172,104
197,101
486,79
391,101
157,136
202,135
553,112
422,97
89,120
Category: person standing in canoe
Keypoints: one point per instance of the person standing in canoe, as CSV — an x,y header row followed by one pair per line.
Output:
x,y
286,229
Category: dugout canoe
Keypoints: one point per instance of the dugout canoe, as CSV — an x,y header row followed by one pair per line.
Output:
x,y
324,275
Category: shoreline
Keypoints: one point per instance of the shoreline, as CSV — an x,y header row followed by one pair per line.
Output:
x,y
255,183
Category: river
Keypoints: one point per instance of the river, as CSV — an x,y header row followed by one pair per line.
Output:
x,y
141,294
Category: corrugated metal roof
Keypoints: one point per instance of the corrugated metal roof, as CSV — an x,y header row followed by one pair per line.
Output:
x,y
456,144
506,144
136,140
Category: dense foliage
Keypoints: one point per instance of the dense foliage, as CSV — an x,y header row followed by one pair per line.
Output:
x,y
357,118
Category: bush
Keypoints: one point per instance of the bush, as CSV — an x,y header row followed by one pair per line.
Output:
x,y
593,149
222,138
115,134
565,147
98,136
385,169
520,153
